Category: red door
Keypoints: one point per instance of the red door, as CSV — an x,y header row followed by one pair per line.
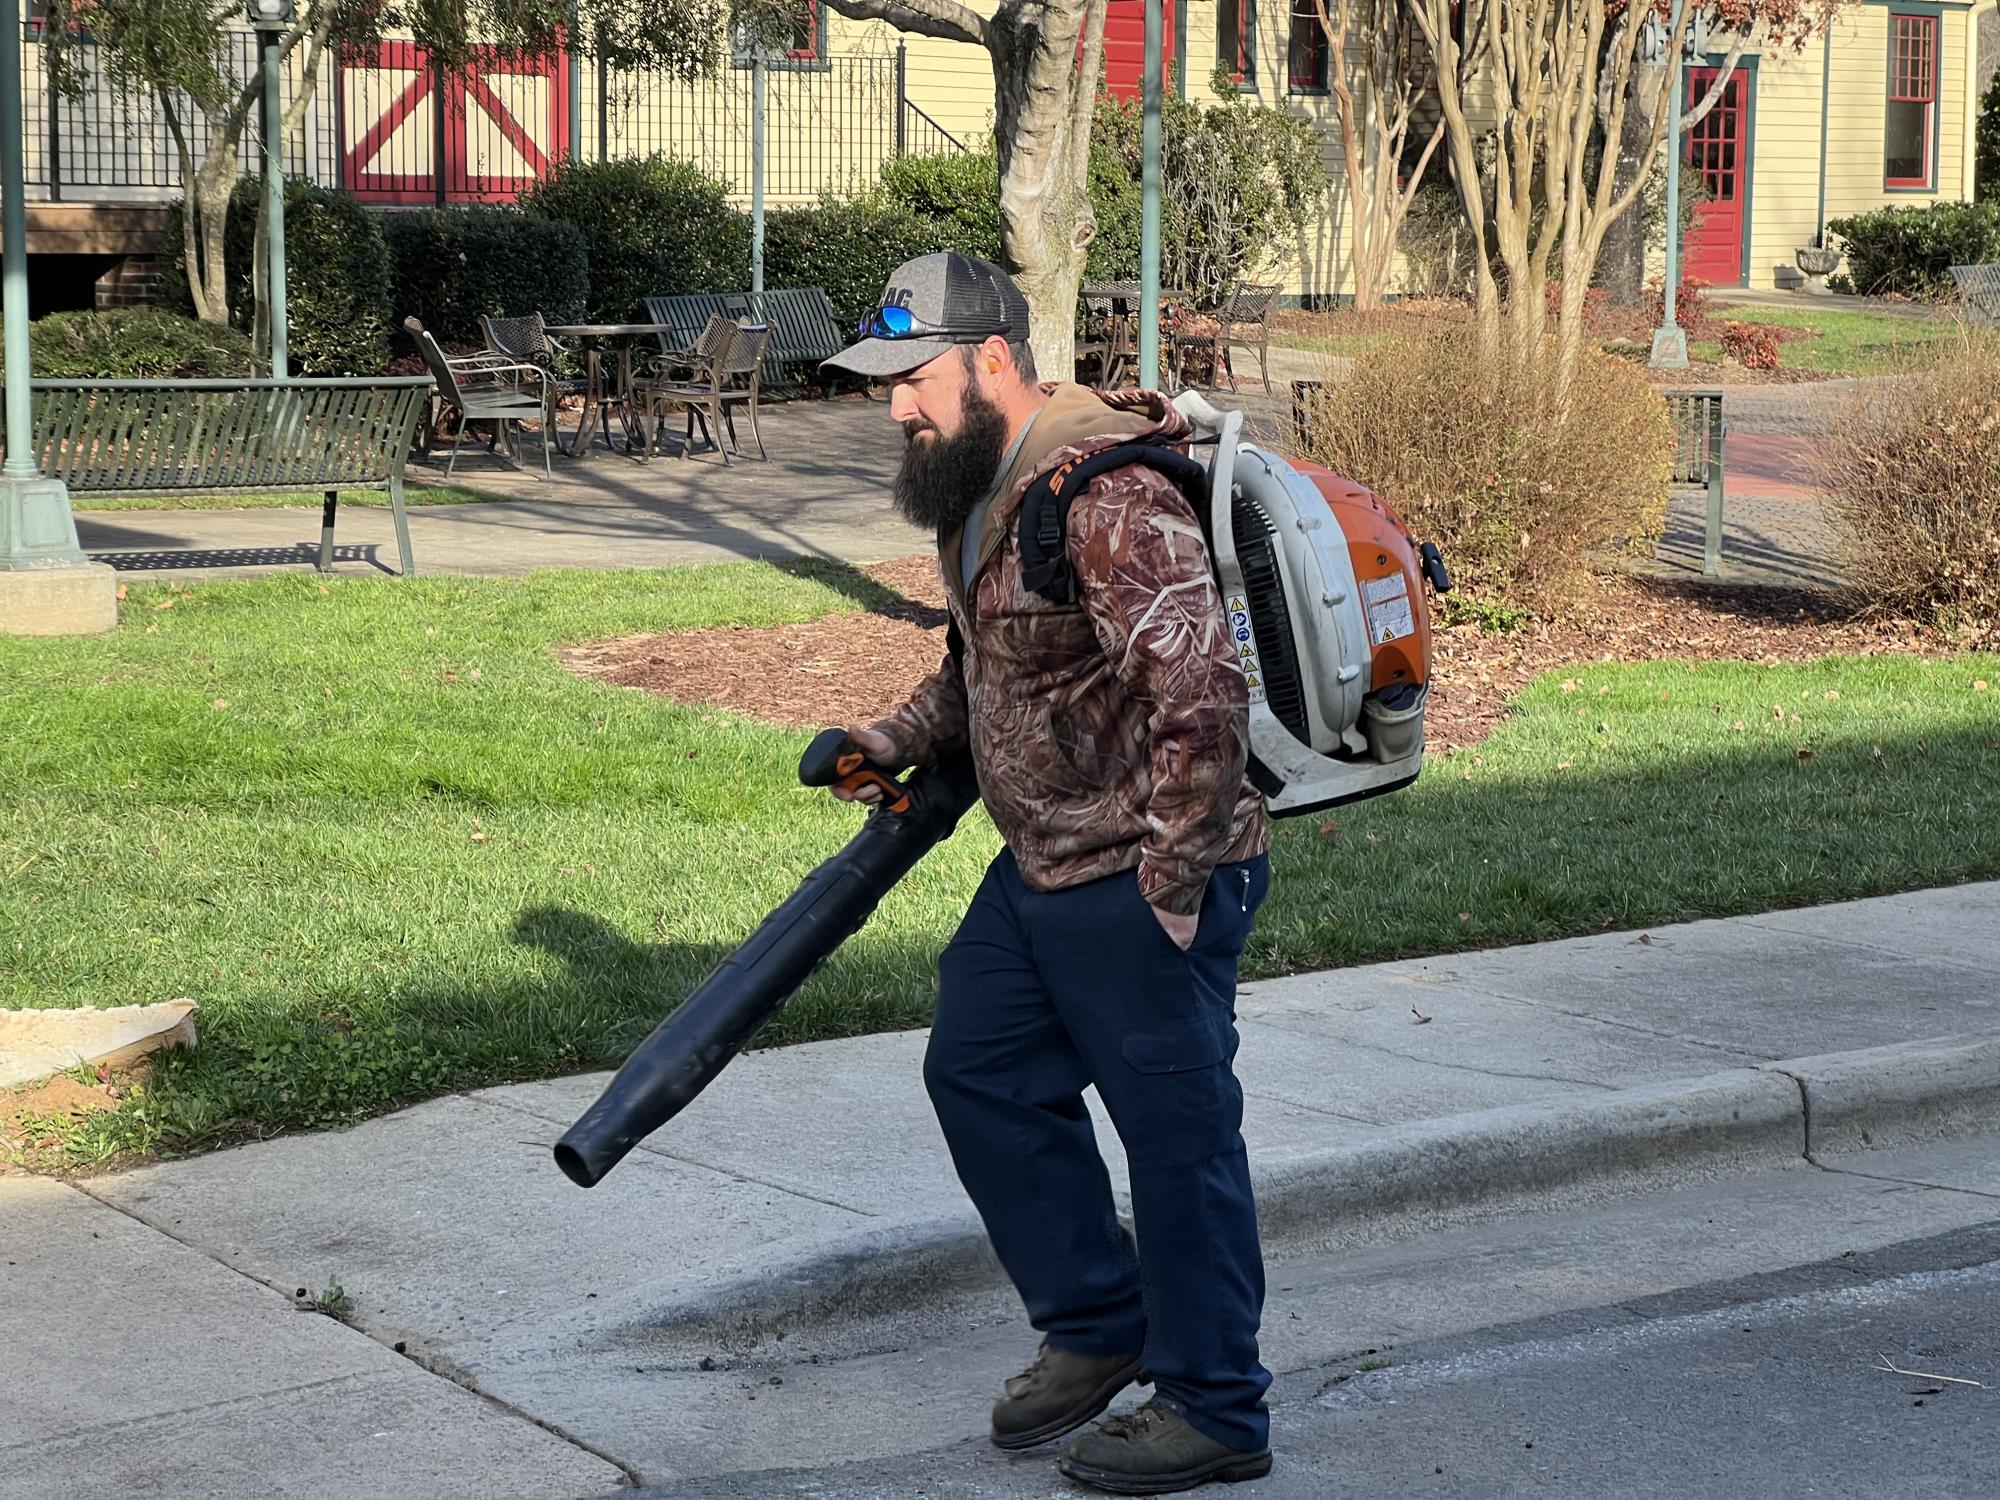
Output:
x,y
493,130
1125,44
1718,147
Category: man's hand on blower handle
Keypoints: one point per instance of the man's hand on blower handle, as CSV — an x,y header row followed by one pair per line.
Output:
x,y
879,750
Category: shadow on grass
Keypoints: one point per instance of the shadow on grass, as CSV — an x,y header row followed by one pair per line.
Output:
x,y
871,594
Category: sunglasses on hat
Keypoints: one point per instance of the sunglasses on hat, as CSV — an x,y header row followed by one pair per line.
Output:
x,y
901,323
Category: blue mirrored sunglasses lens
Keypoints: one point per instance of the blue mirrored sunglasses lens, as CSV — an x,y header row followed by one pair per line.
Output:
x,y
889,322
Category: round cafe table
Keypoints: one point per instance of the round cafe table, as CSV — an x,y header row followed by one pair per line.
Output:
x,y
598,339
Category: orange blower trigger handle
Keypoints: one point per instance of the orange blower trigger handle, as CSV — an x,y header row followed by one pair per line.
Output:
x,y
834,760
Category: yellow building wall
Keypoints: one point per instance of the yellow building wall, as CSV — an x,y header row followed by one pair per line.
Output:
x,y
1785,160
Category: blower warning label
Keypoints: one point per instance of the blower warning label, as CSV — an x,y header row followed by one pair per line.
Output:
x,y
1389,616
1246,646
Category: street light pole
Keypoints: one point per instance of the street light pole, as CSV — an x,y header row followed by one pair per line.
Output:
x,y
274,201
47,585
1149,189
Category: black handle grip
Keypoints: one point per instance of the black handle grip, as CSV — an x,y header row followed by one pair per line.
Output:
x,y
1434,568
834,759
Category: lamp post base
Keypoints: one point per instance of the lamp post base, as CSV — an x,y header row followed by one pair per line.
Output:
x,y
47,585
1670,349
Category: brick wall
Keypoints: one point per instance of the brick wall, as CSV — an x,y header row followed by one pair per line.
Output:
x,y
130,283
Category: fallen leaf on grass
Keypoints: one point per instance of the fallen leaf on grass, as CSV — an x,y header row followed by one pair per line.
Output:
x,y
121,591
1422,1019
479,838
1979,686
1569,685
1739,726
1465,916
220,703
1831,695
1803,753
168,603
1330,831
1377,840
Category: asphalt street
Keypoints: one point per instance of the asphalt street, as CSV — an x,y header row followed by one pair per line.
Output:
x,y
1769,1384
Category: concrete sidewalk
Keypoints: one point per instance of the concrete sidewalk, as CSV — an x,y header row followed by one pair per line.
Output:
x,y
805,1203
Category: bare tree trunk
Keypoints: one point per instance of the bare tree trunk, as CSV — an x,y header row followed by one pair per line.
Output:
x,y
1044,104
201,233
1622,271
1045,98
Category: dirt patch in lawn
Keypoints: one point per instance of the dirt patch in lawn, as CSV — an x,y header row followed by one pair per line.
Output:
x,y
853,668
58,1098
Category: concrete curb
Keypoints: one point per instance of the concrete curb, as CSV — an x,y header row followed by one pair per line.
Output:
x,y
1419,1175
1900,1095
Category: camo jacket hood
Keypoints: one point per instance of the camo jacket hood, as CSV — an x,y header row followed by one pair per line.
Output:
x,y
1113,733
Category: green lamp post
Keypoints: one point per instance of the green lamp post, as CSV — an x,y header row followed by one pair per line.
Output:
x,y
270,18
47,585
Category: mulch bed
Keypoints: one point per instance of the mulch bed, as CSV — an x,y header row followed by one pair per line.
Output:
x,y
852,668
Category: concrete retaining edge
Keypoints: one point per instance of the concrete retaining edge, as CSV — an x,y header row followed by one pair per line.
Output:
x,y
1420,1175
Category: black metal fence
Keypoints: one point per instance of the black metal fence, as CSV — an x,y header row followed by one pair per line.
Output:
x,y
109,142
391,128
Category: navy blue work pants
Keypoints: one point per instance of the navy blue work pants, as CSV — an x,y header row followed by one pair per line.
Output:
x,y
1041,994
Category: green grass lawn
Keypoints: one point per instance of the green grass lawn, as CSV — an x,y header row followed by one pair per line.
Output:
x,y
391,847
416,494
1849,343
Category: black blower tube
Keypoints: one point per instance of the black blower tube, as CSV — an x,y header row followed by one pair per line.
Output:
x,y
688,1049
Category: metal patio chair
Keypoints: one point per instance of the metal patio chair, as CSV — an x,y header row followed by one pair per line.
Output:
x,y
486,388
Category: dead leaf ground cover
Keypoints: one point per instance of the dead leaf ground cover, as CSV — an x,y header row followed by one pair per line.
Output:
x,y
393,846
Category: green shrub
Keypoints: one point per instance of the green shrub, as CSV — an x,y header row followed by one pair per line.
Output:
x,y
1477,453
1235,178
136,343
847,246
1911,471
450,265
956,194
336,276
654,227
1911,250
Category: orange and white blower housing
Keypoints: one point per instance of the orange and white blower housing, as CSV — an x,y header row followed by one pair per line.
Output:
x,y
1326,594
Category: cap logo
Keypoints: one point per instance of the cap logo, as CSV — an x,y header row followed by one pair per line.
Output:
x,y
896,296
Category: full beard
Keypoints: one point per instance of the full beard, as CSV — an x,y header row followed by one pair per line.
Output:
x,y
942,479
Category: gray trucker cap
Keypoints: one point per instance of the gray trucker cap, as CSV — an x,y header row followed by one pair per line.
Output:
x,y
974,299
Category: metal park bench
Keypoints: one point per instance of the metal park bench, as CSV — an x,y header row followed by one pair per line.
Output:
x,y
803,328
1978,292
1698,438
154,437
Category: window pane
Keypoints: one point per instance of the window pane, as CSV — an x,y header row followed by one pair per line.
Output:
x,y
1229,35
1903,155
1306,62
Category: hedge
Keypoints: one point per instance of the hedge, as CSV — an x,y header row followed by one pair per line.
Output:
x,y
136,343
447,266
1911,250
653,227
336,276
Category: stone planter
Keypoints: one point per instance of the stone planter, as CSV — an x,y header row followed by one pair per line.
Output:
x,y
1817,262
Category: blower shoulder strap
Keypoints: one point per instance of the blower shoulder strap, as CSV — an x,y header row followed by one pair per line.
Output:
x,y
1044,522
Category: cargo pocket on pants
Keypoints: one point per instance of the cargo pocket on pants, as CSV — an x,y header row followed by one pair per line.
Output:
x,y
1175,1113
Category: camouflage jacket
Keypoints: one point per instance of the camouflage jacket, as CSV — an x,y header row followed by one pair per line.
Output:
x,y
1112,733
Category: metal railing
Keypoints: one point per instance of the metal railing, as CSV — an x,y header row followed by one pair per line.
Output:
x,y
392,129
111,144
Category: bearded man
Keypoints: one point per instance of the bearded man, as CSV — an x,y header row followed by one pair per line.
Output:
x,y
1111,737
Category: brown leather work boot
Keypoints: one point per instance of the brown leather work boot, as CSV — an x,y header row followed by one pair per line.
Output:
x,y
1154,1451
1056,1394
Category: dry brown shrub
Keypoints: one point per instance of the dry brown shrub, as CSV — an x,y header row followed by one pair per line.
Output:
x,y
1480,457
1911,471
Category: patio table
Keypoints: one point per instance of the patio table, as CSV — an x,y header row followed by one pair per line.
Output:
x,y
618,393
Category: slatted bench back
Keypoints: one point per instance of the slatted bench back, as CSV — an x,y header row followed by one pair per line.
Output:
x,y
158,436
